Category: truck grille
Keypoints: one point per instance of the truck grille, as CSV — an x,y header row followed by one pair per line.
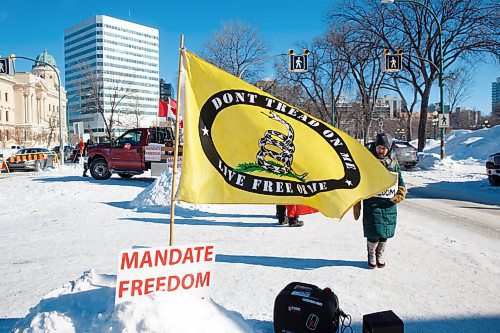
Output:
x,y
496,160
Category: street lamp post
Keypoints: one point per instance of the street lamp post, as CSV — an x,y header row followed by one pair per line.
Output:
x,y
441,95
61,141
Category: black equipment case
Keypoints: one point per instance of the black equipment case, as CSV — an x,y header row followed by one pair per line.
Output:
x,y
302,307
382,322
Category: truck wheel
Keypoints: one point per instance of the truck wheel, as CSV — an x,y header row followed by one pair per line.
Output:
x,y
494,180
99,169
125,175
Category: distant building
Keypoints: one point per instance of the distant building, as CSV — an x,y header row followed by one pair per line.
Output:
x,y
166,90
29,106
388,107
495,97
120,57
464,118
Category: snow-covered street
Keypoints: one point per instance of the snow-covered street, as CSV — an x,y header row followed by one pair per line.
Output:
x,y
442,274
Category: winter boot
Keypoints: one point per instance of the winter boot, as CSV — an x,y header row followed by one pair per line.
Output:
x,y
283,220
380,254
295,222
371,247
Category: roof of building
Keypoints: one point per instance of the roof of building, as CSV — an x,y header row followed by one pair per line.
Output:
x,y
45,57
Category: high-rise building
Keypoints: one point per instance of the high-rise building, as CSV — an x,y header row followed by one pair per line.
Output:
x,y
495,97
111,65
166,90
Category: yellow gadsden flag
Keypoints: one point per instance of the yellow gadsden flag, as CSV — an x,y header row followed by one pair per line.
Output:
x,y
242,145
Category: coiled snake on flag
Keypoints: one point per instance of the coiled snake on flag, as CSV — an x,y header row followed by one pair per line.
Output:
x,y
282,142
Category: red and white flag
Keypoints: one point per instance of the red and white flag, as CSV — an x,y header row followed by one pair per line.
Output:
x,y
169,110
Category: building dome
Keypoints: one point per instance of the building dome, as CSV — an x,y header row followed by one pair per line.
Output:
x,y
46,57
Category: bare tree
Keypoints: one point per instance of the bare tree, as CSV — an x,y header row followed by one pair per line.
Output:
x,y
105,99
137,112
360,51
235,47
469,29
458,86
321,86
52,121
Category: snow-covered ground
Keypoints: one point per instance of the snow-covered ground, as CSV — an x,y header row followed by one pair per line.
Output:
x,y
61,235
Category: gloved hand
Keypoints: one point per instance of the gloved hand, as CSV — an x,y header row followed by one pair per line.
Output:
x,y
356,209
400,195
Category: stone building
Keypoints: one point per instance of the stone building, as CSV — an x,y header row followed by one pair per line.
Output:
x,y
29,106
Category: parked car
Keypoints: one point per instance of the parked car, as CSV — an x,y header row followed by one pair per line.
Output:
x,y
405,153
15,148
67,152
30,165
493,169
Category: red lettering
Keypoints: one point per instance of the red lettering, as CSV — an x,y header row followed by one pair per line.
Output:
x,y
146,259
201,280
136,286
198,250
149,285
160,282
122,288
161,256
129,262
174,252
188,255
191,282
170,280
209,251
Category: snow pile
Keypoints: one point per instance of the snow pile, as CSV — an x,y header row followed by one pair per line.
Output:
x,y
158,194
87,305
463,145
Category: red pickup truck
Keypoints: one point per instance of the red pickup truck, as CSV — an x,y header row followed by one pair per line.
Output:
x,y
125,155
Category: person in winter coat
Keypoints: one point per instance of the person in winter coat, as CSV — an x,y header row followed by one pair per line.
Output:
x,y
380,212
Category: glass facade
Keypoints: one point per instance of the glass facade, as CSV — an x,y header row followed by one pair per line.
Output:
x,y
121,58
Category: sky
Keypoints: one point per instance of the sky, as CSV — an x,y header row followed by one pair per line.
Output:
x,y
60,252
29,27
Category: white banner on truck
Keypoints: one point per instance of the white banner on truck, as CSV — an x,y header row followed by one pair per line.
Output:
x,y
152,153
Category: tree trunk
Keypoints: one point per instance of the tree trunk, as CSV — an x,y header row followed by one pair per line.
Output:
x,y
422,124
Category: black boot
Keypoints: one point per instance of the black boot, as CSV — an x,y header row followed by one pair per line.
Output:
x,y
295,222
281,214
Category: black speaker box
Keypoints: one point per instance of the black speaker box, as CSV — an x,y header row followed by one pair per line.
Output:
x,y
382,322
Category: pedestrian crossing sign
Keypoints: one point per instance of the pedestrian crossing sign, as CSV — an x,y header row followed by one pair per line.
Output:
x,y
392,63
297,63
444,120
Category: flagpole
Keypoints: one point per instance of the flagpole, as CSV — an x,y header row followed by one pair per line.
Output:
x,y
176,145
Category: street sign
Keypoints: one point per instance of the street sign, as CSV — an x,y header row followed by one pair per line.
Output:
x,y
444,120
297,63
6,66
392,63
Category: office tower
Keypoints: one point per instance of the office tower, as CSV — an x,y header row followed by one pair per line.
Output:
x,y
495,97
111,65
166,90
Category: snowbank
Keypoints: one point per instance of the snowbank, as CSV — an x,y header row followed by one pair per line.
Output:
x,y
87,305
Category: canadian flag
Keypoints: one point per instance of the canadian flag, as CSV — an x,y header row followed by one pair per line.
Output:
x,y
169,110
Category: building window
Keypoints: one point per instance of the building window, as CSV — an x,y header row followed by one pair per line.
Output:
x,y
7,115
6,97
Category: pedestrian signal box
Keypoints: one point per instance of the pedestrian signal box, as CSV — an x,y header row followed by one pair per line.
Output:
x,y
6,66
297,63
392,63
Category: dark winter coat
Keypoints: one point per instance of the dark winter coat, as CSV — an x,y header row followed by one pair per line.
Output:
x,y
380,214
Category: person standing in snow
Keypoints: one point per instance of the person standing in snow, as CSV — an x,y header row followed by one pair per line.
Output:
x,y
380,212
290,214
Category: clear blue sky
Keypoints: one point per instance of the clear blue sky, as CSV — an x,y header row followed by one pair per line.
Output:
x,y
29,27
